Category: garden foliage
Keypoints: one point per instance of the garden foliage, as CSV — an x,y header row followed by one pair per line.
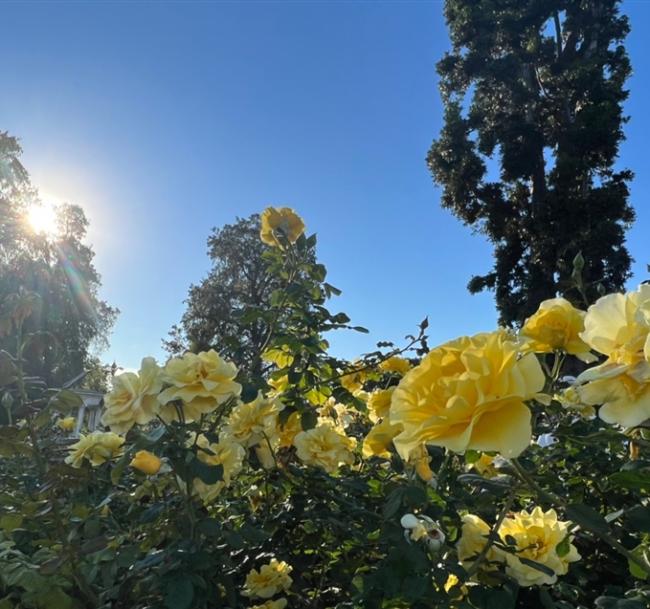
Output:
x,y
472,475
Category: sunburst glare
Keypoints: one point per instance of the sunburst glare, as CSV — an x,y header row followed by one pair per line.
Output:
x,y
42,217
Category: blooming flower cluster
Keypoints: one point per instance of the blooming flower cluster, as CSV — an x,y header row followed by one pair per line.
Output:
x,y
473,393
96,447
271,579
535,536
618,327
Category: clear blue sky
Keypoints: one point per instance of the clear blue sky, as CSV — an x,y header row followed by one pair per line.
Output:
x,y
165,119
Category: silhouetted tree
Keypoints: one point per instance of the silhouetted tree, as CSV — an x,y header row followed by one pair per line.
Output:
x,y
533,93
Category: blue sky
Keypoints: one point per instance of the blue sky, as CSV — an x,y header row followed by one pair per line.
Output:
x,y
165,119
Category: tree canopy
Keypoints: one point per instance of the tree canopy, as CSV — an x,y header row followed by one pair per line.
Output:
x,y
56,270
533,93
237,281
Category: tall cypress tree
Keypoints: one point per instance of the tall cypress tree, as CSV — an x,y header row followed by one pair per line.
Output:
x,y
533,93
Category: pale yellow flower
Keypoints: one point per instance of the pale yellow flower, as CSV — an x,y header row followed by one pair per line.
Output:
x,y
380,439
484,465
570,398
325,446
337,413
556,326
271,579
422,528
420,460
226,452
134,397
288,431
96,447
474,535
354,380
618,326
200,381
67,423
537,534
255,422
279,224
469,394
395,364
146,462
279,603
379,403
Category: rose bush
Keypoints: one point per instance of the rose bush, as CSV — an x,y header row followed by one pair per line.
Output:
x,y
477,474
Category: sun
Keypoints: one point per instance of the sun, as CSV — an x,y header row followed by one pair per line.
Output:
x,y
42,217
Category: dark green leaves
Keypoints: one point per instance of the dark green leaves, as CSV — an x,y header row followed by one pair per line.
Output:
x,y
209,474
587,517
179,593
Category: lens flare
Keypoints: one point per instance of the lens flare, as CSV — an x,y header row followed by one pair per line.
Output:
x,y
42,218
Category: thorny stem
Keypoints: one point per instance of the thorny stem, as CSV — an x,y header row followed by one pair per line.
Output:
x,y
493,536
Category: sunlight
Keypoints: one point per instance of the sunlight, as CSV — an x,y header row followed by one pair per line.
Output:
x,y
42,216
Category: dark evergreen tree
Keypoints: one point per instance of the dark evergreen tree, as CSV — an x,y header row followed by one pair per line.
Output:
x,y
533,93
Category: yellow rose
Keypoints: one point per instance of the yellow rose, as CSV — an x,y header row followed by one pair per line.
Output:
x,y
146,462
134,398
336,413
420,460
380,439
67,424
570,398
200,381
474,535
227,453
96,447
537,534
484,465
379,403
279,224
468,394
354,380
254,422
556,326
287,432
269,580
395,364
618,326
325,446
279,603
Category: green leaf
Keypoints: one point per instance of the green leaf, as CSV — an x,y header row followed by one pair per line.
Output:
x,y
119,467
562,548
179,593
150,438
210,474
637,480
587,517
65,400
308,419
393,503
643,554
611,602
8,370
637,519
